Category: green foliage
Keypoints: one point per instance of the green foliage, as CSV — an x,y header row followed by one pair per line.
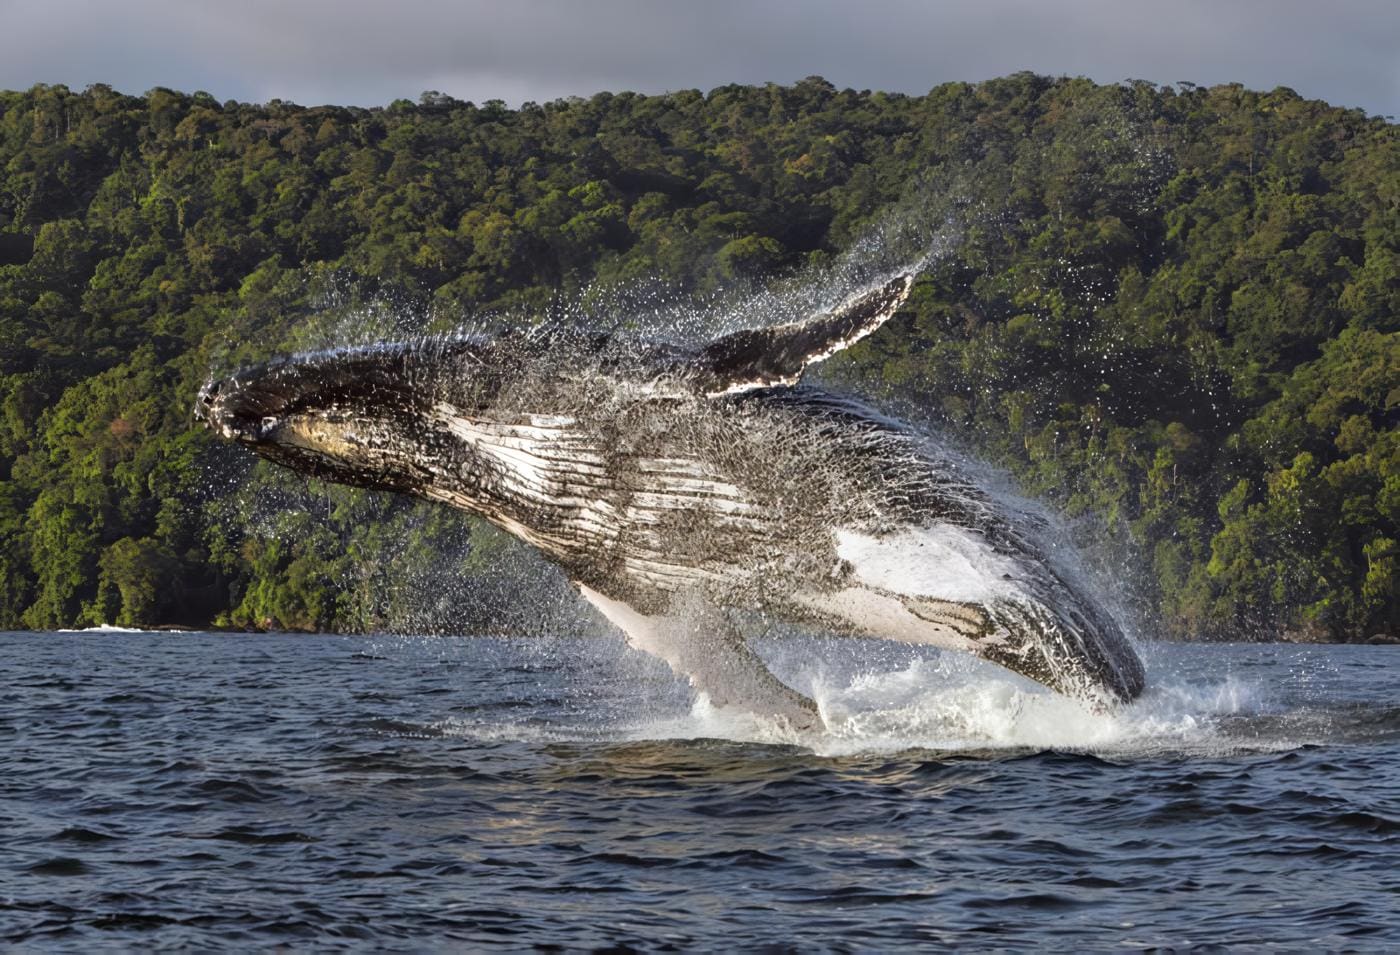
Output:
x,y
1171,310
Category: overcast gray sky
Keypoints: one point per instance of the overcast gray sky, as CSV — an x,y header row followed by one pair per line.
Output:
x,y
354,52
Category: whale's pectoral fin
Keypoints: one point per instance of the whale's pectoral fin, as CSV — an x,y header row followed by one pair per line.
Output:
x,y
769,357
702,645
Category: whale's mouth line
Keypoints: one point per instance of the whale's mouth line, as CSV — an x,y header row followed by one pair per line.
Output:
x,y
254,403
248,418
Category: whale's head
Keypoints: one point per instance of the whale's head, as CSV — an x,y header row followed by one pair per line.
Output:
x,y
354,416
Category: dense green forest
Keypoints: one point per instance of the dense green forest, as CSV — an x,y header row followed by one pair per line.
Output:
x,y
1170,312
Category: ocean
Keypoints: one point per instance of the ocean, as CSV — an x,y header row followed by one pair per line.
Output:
x,y
417,793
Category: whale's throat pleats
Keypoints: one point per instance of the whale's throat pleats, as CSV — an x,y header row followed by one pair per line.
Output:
x,y
565,487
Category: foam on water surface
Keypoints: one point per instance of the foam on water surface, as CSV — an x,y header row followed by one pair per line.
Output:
x,y
943,702
917,709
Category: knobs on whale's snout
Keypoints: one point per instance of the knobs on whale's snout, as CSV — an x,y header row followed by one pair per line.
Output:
x,y
230,409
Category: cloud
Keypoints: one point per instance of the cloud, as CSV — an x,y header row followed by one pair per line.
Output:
x,y
311,51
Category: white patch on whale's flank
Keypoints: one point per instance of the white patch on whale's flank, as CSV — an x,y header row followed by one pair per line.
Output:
x,y
942,560
921,585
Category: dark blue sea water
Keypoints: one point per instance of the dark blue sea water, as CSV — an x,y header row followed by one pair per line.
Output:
x,y
230,791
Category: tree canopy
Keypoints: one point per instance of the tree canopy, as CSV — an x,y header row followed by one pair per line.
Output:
x,y
1170,312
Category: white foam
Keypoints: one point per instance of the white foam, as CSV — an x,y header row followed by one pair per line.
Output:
x,y
938,702
108,628
945,705
916,708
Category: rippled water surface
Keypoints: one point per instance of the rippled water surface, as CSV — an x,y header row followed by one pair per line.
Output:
x,y
393,793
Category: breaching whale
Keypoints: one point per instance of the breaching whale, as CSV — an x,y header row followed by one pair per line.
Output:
x,y
676,486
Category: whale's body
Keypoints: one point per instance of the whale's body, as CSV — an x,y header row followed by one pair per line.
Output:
x,y
673,485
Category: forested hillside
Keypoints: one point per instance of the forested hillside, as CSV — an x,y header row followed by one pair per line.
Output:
x,y
1170,312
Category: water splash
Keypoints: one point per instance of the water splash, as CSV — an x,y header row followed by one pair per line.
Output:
x,y
879,699
955,704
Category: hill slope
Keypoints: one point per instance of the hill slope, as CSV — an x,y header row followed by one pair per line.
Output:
x,y
1174,310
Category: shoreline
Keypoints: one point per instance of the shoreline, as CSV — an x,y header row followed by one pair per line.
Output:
x,y
1376,640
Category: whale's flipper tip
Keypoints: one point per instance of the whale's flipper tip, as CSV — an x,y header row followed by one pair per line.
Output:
x,y
775,357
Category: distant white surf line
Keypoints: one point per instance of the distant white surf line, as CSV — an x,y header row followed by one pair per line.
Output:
x,y
108,628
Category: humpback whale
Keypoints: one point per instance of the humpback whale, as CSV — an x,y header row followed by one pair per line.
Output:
x,y
681,487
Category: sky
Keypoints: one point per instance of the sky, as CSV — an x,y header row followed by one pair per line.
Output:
x,y
351,52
